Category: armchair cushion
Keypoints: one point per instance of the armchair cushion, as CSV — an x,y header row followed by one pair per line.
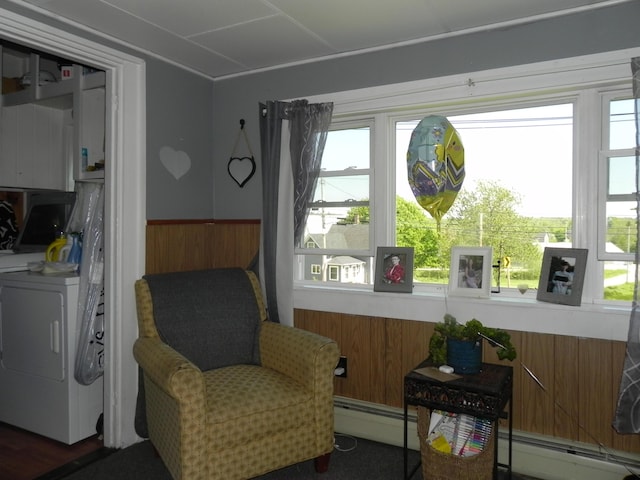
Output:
x,y
253,398
210,334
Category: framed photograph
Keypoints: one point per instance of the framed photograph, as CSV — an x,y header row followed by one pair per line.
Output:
x,y
562,275
394,270
470,272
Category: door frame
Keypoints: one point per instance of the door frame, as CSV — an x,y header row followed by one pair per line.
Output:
x,y
125,202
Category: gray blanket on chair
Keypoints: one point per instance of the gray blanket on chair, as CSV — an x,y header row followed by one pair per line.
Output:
x,y
209,316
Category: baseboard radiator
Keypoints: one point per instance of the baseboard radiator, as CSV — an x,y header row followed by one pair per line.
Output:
x,y
545,457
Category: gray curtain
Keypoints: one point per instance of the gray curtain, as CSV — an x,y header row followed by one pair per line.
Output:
x,y
308,125
271,114
627,417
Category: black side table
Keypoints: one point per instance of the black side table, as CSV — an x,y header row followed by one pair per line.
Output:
x,y
483,395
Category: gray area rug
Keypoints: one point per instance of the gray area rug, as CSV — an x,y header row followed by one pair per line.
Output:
x,y
356,458
353,459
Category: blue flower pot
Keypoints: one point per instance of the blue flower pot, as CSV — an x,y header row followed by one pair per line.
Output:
x,y
465,356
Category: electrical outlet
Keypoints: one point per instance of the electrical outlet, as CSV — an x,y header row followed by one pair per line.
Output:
x,y
341,368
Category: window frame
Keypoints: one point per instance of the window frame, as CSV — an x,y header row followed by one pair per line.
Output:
x,y
494,104
583,80
606,153
351,123
333,274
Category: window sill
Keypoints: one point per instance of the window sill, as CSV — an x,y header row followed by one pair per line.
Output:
x,y
504,310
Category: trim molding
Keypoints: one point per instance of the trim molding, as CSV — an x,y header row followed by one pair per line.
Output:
x,y
536,455
125,202
204,221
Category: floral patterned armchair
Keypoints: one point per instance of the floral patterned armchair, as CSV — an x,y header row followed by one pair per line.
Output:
x,y
229,394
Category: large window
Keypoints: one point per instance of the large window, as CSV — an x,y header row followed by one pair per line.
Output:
x,y
618,182
617,226
516,196
553,168
337,236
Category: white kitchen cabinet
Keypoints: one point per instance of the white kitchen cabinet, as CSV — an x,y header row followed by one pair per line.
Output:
x,y
36,148
38,341
32,147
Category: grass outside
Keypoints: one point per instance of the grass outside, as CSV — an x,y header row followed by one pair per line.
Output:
x,y
619,292
623,292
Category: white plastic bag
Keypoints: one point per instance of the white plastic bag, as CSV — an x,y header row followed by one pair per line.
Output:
x,y
89,215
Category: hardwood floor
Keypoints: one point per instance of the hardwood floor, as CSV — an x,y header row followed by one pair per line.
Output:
x,y
27,456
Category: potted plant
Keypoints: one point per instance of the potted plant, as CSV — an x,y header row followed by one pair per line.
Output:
x,y
460,346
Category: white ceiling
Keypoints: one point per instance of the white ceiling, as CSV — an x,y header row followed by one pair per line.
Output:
x,y
225,37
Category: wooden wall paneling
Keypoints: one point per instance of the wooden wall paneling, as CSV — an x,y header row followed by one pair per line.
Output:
x,y
175,247
355,344
580,376
596,405
394,366
189,245
415,348
567,373
233,244
537,403
378,379
248,237
489,355
250,241
624,442
192,248
325,324
518,379
156,243
213,243
300,320
415,342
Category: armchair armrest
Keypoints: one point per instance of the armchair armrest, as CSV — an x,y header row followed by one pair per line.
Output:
x,y
175,402
168,369
309,359
305,356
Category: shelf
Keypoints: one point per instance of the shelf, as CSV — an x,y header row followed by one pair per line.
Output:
x,y
73,103
93,80
56,95
95,176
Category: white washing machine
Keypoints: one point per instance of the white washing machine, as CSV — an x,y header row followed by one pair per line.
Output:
x,y
38,341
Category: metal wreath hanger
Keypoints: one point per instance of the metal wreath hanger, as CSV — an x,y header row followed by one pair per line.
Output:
x,y
241,169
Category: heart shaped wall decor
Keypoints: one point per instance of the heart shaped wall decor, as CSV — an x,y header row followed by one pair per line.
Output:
x,y
176,162
241,169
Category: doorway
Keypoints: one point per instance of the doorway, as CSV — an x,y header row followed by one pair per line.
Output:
x,y
125,208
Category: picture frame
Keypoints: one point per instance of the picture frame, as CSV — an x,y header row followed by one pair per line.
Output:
x,y
470,272
562,275
394,270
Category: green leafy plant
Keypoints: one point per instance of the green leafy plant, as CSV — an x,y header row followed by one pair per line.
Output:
x,y
472,330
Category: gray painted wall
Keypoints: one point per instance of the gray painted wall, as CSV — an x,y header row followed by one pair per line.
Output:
x,y
605,29
179,116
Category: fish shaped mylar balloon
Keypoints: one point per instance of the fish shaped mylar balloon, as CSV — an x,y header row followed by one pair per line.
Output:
x,y
435,165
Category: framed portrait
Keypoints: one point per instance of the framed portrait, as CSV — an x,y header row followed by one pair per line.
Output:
x,y
470,272
562,275
394,270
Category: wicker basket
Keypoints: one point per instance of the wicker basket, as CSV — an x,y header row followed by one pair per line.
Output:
x,y
444,466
